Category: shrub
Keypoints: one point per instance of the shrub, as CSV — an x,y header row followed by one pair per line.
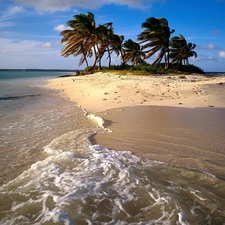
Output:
x,y
183,77
187,68
146,69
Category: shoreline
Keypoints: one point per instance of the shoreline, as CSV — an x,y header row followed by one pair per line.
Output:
x,y
185,137
164,118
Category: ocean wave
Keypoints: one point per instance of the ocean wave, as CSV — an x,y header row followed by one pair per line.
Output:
x,y
95,185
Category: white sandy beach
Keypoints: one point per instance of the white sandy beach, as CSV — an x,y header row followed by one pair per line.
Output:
x,y
102,91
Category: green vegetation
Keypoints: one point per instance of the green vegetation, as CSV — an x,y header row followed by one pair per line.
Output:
x,y
147,69
182,77
87,40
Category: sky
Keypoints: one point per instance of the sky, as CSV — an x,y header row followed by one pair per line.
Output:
x,y
30,29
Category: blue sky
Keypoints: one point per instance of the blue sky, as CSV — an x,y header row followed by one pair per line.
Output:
x,y
29,29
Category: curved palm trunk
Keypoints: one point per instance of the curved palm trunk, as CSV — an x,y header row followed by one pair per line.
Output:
x,y
109,64
99,59
85,59
86,62
186,62
99,64
96,57
109,57
166,58
123,60
95,60
166,61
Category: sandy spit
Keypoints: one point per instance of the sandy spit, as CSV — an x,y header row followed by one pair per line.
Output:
x,y
102,91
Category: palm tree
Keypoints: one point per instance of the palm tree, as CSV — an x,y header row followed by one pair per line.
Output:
x,y
107,42
74,45
81,38
156,38
181,50
133,52
114,45
85,39
105,34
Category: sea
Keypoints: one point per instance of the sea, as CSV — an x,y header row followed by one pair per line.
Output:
x,y
50,172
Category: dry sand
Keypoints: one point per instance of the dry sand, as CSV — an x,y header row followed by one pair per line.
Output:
x,y
188,132
102,91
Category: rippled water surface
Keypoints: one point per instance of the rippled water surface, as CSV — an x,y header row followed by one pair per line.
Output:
x,y
52,174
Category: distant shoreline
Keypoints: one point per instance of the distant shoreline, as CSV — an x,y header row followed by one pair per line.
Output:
x,y
74,70
41,70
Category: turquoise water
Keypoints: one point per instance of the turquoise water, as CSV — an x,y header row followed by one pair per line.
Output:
x,y
23,74
215,73
52,174
29,118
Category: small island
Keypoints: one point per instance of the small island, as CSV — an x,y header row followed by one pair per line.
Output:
x,y
88,41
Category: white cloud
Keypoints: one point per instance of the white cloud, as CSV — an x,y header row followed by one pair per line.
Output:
x,y
47,45
8,14
34,54
222,54
42,45
61,27
202,57
211,46
211,58
59,5
14,46
6,24
12,11
15,9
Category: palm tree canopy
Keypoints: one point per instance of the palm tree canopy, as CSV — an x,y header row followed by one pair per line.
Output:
x,y
181,50
83,23
86,39
133,52
82,38
156,37
82,28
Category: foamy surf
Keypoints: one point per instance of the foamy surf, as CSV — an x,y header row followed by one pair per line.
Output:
x,y
97,119
99,187
94,185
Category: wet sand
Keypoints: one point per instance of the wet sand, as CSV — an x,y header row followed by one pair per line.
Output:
x,y
174,119
191,138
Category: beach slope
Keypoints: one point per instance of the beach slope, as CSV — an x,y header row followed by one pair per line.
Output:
x,y
171,118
